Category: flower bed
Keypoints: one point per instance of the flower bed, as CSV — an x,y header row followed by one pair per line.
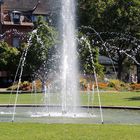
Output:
x,y
135,86
90,86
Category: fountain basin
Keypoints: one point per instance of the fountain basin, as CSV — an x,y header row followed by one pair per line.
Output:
x,y
52,115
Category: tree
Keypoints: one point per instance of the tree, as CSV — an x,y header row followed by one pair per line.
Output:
x,y
42,42
88,56
115,24
8,58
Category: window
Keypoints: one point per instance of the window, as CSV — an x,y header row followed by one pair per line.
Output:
x,y
16,17
34,18
16,42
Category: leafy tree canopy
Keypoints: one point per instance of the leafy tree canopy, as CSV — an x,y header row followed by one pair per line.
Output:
x,y
41,42
8,57
114,26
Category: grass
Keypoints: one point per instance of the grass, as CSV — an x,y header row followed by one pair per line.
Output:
x,y
22,98
107,98
116,98
36,131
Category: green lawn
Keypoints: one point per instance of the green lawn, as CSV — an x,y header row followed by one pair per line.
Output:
x,y
110,99
36,131
116,99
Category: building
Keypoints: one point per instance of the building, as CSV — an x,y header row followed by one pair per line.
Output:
x,y
110,67
17,19
130,74
18,16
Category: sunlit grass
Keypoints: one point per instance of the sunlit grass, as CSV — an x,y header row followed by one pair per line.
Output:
x,y
107,98
30,131
115,99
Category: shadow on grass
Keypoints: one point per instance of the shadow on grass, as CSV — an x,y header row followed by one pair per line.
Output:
x,y
136,98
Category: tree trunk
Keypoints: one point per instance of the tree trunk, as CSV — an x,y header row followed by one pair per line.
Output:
x,y
44,86
120,69
138,73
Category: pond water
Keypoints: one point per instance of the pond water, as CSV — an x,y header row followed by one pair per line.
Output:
x,y
87,116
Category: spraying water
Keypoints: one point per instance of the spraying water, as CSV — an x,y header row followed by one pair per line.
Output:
x,y
69,58
69,98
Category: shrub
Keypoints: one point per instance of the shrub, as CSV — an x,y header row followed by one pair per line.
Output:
x,y
25,86
83,84
135,86
13,87
89,86
117,84
102,85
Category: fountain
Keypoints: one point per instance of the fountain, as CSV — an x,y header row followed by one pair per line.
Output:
x,y
66,108
69,58
68,102
68,99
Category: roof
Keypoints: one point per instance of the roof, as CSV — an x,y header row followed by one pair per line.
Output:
x,y
106,60
44,7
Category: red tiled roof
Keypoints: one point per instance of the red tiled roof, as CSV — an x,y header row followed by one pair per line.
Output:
x,y
44,7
